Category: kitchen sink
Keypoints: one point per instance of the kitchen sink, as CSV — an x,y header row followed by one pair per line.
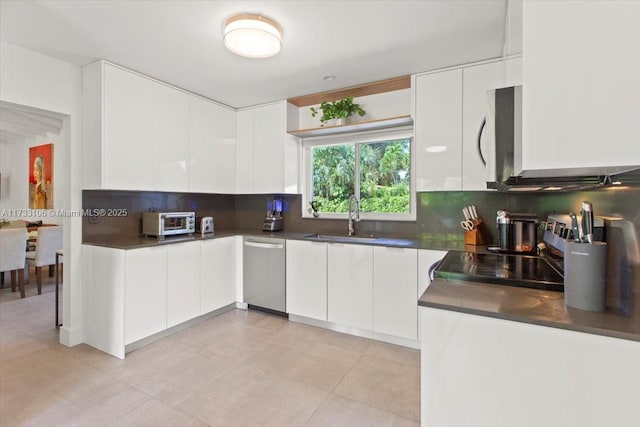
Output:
x,y
358,239
341,238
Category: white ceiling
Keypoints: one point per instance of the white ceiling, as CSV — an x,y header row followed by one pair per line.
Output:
x,y
180,42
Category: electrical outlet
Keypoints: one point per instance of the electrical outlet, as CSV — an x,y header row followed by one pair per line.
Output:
x,y
94,220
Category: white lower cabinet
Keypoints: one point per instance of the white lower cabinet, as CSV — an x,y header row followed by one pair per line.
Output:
x,y
103,277
136,293
484,371
145,292
307,279
183,282
217,274
395,306
350,285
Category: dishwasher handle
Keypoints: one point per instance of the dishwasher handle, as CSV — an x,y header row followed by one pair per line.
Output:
x,y
264,245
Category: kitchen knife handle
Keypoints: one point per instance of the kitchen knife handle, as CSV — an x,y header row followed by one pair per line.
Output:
x,y
466,213
587,221
574,227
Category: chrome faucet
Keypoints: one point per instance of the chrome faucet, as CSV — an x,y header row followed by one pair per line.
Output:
x,y
352,212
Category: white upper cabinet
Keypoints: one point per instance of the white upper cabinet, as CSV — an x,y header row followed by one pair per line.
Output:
x,y
581,97
267,159
477,80
170,139
438,131
117,139
212,147
141,134
244,160
450,107
269,131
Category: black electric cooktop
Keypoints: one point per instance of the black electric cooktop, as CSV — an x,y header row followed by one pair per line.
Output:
x,y
501,269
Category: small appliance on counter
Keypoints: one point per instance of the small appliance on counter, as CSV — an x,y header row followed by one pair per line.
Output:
x,y
273,220
204,224
517,233
163,224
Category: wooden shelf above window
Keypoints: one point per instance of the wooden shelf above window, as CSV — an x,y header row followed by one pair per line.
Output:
x,y
382,86
354,127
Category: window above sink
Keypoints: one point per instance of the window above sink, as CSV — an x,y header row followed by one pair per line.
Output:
x,y
375,166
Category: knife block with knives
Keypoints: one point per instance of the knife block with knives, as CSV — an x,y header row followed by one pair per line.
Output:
x,y
476,236
473,226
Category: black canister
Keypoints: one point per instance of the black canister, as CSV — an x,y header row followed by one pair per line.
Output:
x,y
517,232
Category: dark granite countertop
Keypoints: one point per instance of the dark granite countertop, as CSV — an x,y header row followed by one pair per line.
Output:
x,y
136,242
537,307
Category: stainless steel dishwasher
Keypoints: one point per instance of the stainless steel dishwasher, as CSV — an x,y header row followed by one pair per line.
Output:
x,y
264,273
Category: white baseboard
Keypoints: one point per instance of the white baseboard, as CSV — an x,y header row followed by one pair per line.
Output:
x,y
70,336
363,333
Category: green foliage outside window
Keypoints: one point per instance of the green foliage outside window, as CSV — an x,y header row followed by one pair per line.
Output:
x,y
384,177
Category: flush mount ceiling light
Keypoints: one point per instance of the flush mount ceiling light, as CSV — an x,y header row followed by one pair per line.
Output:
x,y
252,36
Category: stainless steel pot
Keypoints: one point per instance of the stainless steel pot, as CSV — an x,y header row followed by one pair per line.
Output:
x,y
517,232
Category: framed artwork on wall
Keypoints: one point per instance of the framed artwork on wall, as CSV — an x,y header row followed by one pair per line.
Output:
x,y
41,177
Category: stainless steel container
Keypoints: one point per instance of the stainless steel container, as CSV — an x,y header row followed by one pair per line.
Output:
x,y
517,232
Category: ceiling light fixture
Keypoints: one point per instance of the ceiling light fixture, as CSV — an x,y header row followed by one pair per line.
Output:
x,y
252,36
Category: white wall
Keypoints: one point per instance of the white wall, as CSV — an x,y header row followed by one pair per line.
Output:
x,y
35,80
15,167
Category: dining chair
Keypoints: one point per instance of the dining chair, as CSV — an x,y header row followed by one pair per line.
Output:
x,y
13,248
49,240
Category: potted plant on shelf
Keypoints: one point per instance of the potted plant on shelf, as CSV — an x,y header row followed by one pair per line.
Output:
x,y
340,110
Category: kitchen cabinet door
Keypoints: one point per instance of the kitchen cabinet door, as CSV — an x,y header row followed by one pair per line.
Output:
x,y
477,80
307,279
103,277
217,273
145,292
127,122
476,362
224,160
183,282
263,145
269,130
212,147
350,285
438,131
244,160
581,97
395,306
170,139
203,128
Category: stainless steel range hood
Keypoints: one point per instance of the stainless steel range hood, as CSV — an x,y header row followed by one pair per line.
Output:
x,y
504,158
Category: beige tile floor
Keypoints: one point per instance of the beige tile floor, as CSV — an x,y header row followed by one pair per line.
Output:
x,y
238,369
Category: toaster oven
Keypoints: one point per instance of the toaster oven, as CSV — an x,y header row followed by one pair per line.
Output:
x,y
162,224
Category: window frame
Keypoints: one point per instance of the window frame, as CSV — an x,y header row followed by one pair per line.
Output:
x,y
405,132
